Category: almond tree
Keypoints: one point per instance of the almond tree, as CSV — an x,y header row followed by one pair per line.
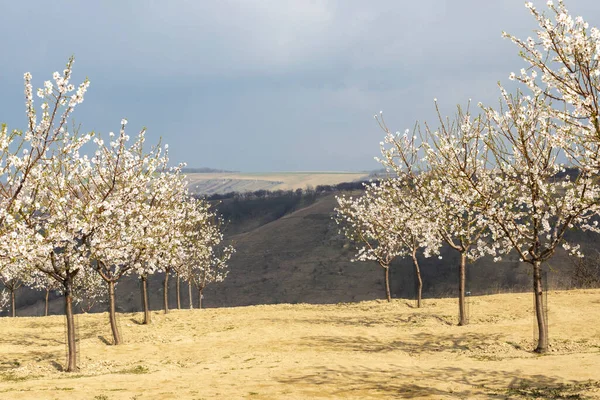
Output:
x,y
558,120
62,224
136,207
22,152
429,165
169,194
41,281
170,226
384,228
212,270
530,200
12,281
204,253
54,222
412,232
88,291
196,214
359,220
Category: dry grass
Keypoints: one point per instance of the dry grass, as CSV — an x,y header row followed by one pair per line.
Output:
x,y
363,350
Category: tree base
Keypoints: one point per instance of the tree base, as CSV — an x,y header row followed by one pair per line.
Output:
x,y
540,350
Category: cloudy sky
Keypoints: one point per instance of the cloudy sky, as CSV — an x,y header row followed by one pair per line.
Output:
x,y
265,85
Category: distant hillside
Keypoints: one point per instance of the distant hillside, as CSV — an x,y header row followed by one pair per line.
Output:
x,y
204,170
289,251
219,183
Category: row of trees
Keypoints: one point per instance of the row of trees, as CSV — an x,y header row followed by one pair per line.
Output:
x,y
512,178
78,213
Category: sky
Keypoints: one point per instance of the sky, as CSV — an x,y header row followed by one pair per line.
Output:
x,y
265,85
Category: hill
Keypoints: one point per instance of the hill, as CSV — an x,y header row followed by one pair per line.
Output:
x,y
211,183
366,350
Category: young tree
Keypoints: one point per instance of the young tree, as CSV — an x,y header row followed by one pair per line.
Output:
x,y
213,270
46,283
135,209
359,220
170,228
11,282
89,290
564,72
530,200
62,225
412,232
21,154
204,254
430,166
170,195
54,221
384,228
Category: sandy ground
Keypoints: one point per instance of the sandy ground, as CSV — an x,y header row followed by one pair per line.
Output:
x,y
368,350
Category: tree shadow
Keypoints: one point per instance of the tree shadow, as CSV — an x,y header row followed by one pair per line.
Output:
x,y
409,305
58,366
418,343
397,381
392,321
12,361
105,340
136,321
31,340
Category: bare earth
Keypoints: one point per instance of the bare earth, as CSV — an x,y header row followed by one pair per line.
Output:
x,y
368,350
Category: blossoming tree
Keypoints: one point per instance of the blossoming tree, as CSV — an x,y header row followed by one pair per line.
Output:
x,y
53,221
536,137
531,201
382,223
133,211
430,166
12,277
62,224
204,254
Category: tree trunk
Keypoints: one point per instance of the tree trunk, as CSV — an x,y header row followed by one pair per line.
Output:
x,y
166,292
71,344
145,304
540,312
178,293
190,294
46,307
419,279
13,304
462,319
387,282
112,315
200,296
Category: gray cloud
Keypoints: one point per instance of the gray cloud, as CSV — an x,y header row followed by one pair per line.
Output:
x,y
266,85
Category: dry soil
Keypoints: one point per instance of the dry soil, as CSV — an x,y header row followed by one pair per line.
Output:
x,y
366,350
